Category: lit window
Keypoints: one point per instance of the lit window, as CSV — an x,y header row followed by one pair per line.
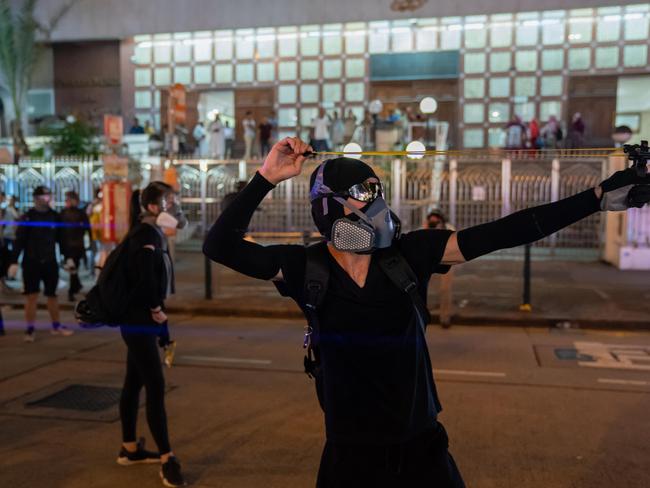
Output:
x,y
182,52
355,92
474,88
500,87
223,73
307,115
527,29
450,32
636,55
162,53
501,30
355,68
496,137
546,109
162,76
426,35
607,57
309,70
182,74
142,55
288,70
142,77
310,40
499,112
332,42
636,23
378,37
475,31
355,38
526,60
223,45
287,93
203,74
265,72
473,113
475,63
579,58
332,92
265,43
245,43
287,42
500,61
552,59
525,110
553,28
473,138
309,93
332,68
580,26
608,27
287,117
401,36
525,86
143,99
551,86
202,49
244,73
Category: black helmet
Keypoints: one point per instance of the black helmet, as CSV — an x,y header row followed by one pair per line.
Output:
x,y
41,190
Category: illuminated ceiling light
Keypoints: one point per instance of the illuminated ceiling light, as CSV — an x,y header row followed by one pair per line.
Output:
x,y
352,150
428,105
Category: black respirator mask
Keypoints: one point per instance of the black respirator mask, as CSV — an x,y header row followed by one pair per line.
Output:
x,y
374,226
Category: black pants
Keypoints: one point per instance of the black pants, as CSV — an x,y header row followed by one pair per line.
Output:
x,y
75,282
143,368
423,462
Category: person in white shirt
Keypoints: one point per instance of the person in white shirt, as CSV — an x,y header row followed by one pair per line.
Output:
x,y
320,137
250,127
217,139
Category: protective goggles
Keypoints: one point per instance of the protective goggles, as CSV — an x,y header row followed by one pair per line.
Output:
x,y
365,192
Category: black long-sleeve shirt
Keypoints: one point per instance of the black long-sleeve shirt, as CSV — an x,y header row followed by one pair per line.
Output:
x,y
37,234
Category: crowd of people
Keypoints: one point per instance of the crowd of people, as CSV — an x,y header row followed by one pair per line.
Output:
x,y
551,135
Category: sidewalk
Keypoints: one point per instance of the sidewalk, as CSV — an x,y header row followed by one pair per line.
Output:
x,y
593,295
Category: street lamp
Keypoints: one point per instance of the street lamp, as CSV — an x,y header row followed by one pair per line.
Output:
x,y
415,150
428,106
352,150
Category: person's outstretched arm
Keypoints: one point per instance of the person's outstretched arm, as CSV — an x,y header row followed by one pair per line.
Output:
x,y
533,224
225,242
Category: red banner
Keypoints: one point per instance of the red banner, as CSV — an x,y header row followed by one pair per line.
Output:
x,y
113,129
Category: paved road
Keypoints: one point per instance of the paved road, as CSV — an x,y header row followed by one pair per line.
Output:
x,y
242,414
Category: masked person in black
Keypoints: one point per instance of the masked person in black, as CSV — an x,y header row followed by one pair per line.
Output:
x,y
150,270
374,376
74,225
37,234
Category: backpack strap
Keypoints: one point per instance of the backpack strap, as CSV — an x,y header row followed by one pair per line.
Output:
x,y
395,266
317,273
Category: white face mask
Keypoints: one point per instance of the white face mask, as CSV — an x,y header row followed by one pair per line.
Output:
x,y
166,220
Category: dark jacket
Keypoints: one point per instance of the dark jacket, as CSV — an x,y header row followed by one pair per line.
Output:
x,y
37,234
75,224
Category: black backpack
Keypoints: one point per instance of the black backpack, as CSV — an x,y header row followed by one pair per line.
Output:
x,y
108,301
317,272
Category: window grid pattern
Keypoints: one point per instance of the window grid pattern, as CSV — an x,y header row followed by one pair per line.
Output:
x,y
514,64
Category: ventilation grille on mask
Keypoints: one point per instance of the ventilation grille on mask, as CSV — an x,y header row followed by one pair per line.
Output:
x,y
348,236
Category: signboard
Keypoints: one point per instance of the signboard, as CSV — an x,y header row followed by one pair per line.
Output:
x,y
113,129
115,166
177,103
116,199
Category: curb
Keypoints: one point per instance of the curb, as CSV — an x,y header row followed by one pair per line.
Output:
x,y
456,319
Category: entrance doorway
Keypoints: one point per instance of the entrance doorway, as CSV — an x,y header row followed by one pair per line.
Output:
x,y
406,96
258,101
594,97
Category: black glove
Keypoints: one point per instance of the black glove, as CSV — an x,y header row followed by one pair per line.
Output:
x,y
617,194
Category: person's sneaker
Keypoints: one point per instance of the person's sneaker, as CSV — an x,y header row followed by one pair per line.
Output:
x,y
30,335
170,351
139,456
61,330
171,473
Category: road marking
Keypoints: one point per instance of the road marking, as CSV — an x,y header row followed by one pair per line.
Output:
x,y
490,374
615,356
215,359
613,381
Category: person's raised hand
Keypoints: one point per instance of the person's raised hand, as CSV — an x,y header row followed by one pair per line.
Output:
x,y
285,160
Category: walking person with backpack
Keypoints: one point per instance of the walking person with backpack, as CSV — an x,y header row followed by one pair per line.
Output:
x,y
363,292
37,234
130,292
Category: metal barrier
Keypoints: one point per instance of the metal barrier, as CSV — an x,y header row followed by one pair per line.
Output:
x,y
474,187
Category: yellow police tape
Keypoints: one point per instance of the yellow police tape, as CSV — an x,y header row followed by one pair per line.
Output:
x,y
563,153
